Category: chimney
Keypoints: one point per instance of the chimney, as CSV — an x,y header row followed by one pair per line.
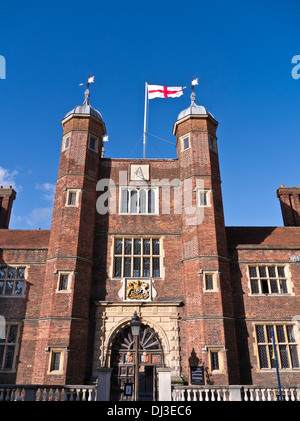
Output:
x,y
289,198
7,196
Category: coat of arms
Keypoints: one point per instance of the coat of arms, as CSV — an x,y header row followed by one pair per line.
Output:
x,y
137,290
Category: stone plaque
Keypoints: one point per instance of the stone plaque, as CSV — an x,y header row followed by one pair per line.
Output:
x,y
139,172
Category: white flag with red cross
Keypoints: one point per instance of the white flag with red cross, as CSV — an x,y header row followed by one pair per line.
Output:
x,y
157,91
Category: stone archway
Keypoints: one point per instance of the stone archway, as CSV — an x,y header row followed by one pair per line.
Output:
x,y
113,317
122,361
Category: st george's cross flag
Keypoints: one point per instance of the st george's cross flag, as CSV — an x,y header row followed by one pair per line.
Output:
x,y
157,91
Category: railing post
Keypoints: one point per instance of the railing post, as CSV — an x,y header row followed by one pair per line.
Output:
x,y
298,392
164,384
30,393
103,385
235,393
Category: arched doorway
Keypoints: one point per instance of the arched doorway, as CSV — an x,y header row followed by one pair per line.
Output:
x,y
150,356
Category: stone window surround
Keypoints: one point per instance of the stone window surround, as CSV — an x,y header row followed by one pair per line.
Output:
x,y
270,294
52,350
264,323
17,266
61,272
161,255
70,190
64,142
220,349
182,139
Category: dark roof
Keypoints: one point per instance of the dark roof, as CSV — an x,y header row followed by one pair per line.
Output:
x,y
24,238
264,236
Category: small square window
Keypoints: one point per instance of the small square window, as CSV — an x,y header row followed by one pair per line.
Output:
x,y
210,281
214,361
93,144
55,364
204,197
209,285
215,355
56,361
72,197
63,281
66,142
213,144
186,143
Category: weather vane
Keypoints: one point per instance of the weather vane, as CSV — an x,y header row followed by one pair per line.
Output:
x,y
193,83
87,92
90,80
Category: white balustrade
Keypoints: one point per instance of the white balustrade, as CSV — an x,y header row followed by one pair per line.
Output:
x,y
179,393
248,393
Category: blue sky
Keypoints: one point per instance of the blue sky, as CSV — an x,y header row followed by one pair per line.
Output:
x,y
240,51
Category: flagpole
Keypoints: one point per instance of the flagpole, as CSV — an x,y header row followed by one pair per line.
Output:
x,y
145,120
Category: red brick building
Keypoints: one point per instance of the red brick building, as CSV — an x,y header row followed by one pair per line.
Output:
x,y
148,236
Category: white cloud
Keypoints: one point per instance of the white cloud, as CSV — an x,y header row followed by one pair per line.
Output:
x,y
7,178
39,217
49,190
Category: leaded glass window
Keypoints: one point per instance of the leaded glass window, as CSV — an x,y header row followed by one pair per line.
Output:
x,y
8,347
12,281
137,257
285,343
267,279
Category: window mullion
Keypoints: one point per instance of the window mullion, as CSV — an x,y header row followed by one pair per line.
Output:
x,y
151,257
277,345
267,345
287,346
122,266
129,201
137,200
260,285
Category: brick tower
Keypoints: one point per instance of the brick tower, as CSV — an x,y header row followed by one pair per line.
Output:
x,y
208,305
60,355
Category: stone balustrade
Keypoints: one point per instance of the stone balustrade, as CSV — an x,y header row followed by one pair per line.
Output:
x,y
235,393
179,393
47,393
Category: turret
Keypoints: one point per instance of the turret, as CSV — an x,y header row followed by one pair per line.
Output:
x,y
66,296
208,306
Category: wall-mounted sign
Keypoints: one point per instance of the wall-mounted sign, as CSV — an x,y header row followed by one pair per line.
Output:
x,y
197,375
128,389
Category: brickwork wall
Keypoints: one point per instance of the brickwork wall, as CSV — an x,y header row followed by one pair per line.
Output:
x,y
251,309
24,309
